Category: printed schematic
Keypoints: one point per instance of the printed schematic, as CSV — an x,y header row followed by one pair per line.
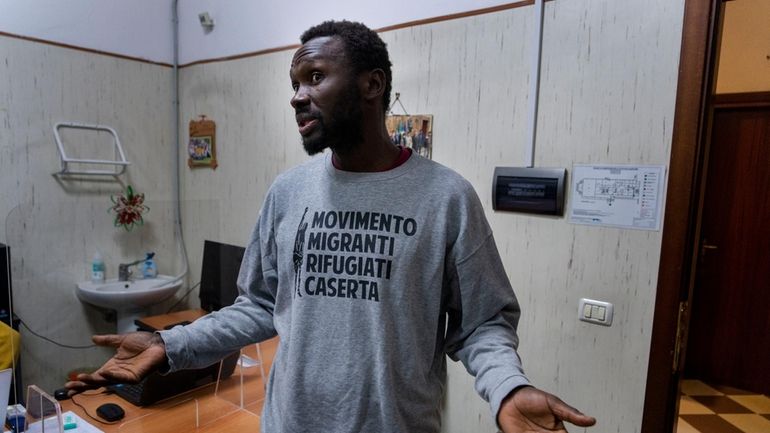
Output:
x,y
626,196
609,189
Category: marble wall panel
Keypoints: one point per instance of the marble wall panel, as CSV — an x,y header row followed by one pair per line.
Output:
x,y
55,224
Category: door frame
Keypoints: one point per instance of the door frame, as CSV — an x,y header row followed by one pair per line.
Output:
x,y
683,205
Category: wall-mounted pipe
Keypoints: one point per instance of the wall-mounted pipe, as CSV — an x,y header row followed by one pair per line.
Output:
x,y
534,84
175,144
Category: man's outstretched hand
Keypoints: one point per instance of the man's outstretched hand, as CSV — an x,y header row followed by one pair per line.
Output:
x,y
530,410
138,354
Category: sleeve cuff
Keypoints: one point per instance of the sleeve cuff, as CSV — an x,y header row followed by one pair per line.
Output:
x,y
173,340
502,391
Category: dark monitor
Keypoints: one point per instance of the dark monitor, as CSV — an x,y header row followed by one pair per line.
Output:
x,y
219,274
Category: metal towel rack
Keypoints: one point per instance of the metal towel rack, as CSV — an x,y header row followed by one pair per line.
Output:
x,y
119,163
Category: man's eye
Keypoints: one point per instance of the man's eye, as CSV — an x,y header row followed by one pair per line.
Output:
x,y
316,77
295,86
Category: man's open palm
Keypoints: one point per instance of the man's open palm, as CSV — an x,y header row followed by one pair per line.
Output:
x,y
529,410
138,354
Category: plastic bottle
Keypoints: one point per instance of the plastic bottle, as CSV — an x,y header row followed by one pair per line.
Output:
x,y
97,268
150,268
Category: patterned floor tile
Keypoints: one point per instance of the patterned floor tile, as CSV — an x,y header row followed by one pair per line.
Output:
x,y
749,423
683,427
688,406
710,424
757,403
729,390
709,408
721,404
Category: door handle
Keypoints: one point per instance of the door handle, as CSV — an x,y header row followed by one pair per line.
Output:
x,y
704,247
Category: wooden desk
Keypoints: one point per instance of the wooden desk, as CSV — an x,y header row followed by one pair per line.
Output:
x,y
159,322
172,414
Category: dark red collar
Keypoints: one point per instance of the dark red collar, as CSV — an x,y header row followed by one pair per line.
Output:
x,y
402,158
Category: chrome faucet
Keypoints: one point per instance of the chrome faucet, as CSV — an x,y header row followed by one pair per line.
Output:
x,y
124,273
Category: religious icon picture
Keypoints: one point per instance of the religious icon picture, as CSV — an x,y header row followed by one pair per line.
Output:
x,y
201,149
413,131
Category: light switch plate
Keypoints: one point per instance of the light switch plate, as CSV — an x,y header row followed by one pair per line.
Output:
x,y
593,311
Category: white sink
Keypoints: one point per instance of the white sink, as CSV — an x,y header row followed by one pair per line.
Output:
x,y
128,298
123,295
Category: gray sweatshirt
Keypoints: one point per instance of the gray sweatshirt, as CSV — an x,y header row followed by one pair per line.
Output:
x,y
369,279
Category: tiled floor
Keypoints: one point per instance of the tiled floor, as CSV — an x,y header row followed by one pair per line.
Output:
x,y
721,409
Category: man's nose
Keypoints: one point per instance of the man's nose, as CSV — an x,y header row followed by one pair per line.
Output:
x,y
300,98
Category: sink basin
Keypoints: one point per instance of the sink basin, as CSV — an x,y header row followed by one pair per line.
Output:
x,y
128,297
123,295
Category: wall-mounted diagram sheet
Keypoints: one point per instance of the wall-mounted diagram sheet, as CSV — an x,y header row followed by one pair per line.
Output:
x,y
617,195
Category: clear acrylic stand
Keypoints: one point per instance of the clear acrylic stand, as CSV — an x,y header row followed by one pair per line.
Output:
x,y
183,416
245,387
202,411
43,412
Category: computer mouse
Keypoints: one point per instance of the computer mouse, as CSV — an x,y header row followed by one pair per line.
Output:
x,y
110,412
61,394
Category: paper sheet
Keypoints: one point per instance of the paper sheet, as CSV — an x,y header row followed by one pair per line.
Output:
x,y
51,425
627,196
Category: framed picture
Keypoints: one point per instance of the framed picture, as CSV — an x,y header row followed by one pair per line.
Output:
x,y
414,131
201,149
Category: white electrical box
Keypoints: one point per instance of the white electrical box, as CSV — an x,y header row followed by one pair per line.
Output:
x,y
593,311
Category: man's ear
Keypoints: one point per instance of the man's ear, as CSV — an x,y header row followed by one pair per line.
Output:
x,y
373,84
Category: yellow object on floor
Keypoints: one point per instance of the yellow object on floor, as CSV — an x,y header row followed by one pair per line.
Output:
x,y
9,346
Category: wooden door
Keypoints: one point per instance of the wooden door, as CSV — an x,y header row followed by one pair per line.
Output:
x,y
729,336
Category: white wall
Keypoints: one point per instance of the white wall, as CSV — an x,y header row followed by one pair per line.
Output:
x,y
608,94
54,225
143,28
136,28
244,26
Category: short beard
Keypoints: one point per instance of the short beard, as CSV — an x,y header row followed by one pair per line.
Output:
x,y
344,132
315,145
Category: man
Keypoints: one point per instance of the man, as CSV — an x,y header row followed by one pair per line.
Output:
x,y
370,263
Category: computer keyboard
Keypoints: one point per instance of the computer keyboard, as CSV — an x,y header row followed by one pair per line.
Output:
x,y
129,392
156,386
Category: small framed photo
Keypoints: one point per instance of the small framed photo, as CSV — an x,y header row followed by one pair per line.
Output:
x,y
201,149
413,131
